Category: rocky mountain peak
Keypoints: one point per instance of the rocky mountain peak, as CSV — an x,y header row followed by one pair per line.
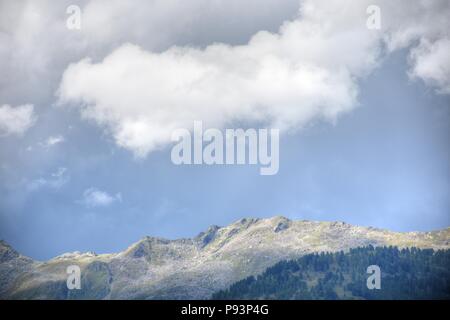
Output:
x,y
7,252
207,236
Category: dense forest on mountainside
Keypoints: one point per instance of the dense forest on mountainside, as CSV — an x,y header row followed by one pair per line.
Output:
x,y
408,273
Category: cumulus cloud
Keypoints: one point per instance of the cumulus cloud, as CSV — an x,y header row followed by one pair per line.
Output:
x,y
29,30
309,69
93,197
285,79
424,28
431,63
16,120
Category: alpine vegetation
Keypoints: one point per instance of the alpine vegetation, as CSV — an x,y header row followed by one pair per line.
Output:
x,y
407,273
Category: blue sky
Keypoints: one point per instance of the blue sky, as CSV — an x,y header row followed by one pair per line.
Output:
x,y
70,182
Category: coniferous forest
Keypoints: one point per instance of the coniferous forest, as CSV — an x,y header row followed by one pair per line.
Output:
x,y
408,273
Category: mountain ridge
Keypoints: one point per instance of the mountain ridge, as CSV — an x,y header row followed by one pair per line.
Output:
x,y
194,268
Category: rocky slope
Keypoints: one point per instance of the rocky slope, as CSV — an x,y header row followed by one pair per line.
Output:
x,y
155,268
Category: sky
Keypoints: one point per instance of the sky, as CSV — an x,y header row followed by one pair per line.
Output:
x,y
86,116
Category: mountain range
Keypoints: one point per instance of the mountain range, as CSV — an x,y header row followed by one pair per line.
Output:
x,y
194,268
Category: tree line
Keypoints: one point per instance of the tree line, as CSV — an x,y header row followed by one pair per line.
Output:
x,y
408,273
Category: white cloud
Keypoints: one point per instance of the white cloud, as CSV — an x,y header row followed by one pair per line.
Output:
x,y
16,120
29,30
308,70
327,47
287,79
52,141
431,63
423,27
55,180
93,197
